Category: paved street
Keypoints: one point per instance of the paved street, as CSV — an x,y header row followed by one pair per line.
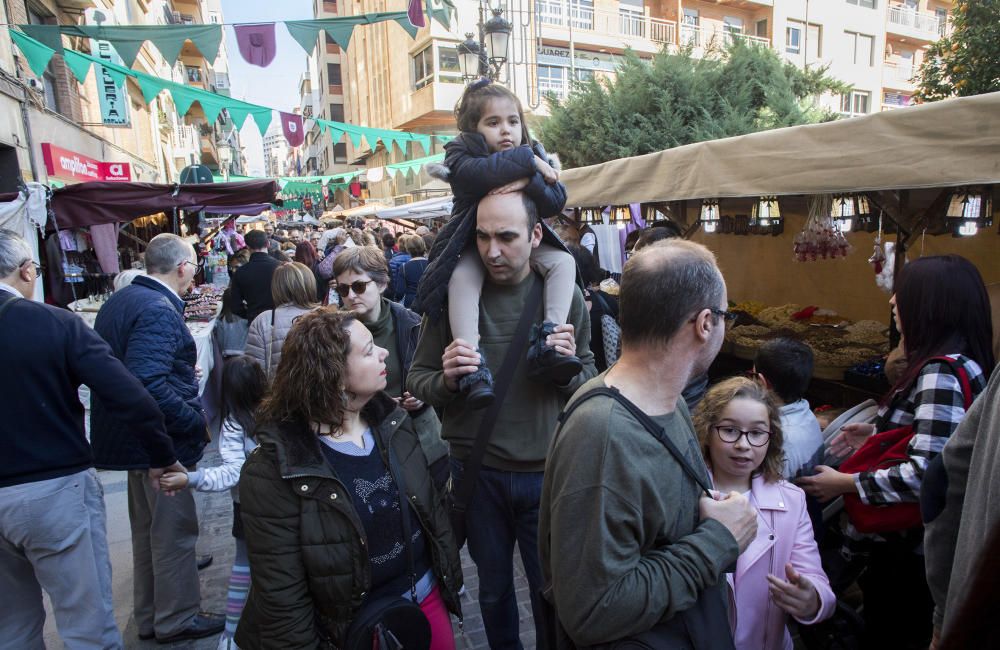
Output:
x,y
215,515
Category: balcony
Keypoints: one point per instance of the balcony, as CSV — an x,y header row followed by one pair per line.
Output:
x,y
185,140
705,37
898,76
918,25
624,27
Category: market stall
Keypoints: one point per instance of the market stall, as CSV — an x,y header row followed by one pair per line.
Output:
x,y
771,205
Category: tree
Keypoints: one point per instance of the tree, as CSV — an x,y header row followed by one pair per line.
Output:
x,y
967,61
676,99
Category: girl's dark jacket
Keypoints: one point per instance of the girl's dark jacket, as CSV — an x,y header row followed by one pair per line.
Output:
x,y
309,562
473,171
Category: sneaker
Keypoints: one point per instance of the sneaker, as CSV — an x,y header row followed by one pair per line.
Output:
x,y
545,363
204,624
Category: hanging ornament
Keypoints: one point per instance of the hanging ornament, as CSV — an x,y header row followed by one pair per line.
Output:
x,y
820,238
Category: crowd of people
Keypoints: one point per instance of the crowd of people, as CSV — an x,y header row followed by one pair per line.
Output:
x,y
388,400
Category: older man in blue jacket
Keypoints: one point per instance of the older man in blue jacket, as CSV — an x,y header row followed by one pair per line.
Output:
x,y
144,325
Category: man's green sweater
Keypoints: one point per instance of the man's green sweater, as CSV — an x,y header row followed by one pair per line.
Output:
x,y
524,427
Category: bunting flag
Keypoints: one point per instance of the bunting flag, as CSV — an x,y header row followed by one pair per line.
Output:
x,y
415,12
306,32
411,166
184,97
129,39
257,43
291,126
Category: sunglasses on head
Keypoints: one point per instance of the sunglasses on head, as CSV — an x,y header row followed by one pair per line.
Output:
x,y
358,286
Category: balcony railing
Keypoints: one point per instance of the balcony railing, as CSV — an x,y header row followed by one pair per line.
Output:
x,y
624,24
898,75
706,36
930,24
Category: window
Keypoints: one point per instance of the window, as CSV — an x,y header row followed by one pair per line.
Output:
x,y
423,67
213,17
331,45
690,33
583,14
449,71
552,79
333,72
862,47
856,102
732,28
942,18
583,74
340,153
337,112
793,38
867,4
762,28
814,42
193,74
631,18
330,6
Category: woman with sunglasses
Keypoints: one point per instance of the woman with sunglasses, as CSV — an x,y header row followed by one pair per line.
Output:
x,y
293,290
361,275
779,575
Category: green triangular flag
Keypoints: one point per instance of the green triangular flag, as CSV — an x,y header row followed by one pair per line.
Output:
x,y
322,126
48,35
305,33
354,133
183,98
170,46
341,34
238,114
211,108
150,87
77,64
116,75
127,41
208,40
262,118
407,26
37,54
425,142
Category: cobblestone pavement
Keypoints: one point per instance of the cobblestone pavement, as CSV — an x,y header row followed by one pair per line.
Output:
x,y
215,515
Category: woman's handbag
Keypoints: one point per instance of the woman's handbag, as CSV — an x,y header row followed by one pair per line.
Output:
x,y
882,451
393,622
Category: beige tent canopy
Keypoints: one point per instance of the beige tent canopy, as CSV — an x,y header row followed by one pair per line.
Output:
x,y
943,144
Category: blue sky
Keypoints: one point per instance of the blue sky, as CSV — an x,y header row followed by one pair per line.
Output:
x,y
277,85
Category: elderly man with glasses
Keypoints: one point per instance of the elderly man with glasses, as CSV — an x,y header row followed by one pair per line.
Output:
x,y
144,325
52,515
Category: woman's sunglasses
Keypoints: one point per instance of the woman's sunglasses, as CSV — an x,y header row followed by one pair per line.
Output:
x,y
359,287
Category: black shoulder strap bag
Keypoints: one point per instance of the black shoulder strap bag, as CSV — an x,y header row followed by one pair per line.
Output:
x,y
703,626
461,495
393,622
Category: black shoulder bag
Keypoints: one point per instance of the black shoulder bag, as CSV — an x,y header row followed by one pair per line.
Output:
x,y
703,626
462,494
393,622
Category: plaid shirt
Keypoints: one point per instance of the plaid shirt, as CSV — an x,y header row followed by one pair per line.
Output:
x,y
934,406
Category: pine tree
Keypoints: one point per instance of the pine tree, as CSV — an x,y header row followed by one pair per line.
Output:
x,y
967,61
677,99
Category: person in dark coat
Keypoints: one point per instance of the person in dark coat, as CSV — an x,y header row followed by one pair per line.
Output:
x,y
251,284
52,514
494,153
144,325
322,503
407,277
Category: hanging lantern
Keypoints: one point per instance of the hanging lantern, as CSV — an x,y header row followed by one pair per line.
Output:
x,y
846,208
710,215
590,216
621,214
766,212
969,209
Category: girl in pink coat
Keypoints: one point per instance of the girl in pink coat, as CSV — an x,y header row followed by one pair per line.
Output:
x,y
779,574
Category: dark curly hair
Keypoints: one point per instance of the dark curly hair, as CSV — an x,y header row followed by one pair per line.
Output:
x,y
714,403
308,384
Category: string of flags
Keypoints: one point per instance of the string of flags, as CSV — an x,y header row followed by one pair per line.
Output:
x,y
39,54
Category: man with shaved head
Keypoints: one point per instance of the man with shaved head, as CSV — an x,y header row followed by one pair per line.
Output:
x,y
504,506
630,544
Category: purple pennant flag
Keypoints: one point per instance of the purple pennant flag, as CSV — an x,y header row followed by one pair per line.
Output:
x,y
291,124
257,43
415,12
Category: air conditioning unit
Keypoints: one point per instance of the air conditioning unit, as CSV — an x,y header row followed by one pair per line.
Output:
x,y
36,85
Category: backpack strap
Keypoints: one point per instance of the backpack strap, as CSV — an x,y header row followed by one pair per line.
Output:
x,y
654,429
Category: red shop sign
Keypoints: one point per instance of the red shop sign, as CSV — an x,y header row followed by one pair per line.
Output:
x,y
62,163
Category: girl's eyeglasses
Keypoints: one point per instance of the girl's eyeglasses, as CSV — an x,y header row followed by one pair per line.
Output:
x,y
756,437
359,287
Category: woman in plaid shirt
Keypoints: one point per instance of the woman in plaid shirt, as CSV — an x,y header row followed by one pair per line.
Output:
x,y
942,309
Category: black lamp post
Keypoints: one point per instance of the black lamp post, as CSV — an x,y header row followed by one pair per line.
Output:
x,y
485,57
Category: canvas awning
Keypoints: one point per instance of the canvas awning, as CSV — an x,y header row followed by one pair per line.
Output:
x,y
427,209
93,203
942,144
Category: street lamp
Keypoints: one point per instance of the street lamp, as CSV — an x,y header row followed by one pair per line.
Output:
x,y
486,56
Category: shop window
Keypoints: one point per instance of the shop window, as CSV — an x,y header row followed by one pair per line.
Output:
x,y
856,102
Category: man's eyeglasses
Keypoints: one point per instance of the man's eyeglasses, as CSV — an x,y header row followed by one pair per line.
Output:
x,y
359,287
196,265
756,437
36,265
727,315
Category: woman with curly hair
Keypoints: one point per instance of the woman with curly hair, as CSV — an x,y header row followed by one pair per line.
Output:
x,y
780,574
339,475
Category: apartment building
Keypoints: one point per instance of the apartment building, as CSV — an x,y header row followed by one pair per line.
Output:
x,y
325,76
275,151
54,118
388,80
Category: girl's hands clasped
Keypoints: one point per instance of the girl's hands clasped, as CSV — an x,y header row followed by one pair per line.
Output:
x,y
173,482
797,597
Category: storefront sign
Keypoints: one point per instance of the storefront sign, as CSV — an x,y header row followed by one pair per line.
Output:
x,y
559,56
114,100
69,165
